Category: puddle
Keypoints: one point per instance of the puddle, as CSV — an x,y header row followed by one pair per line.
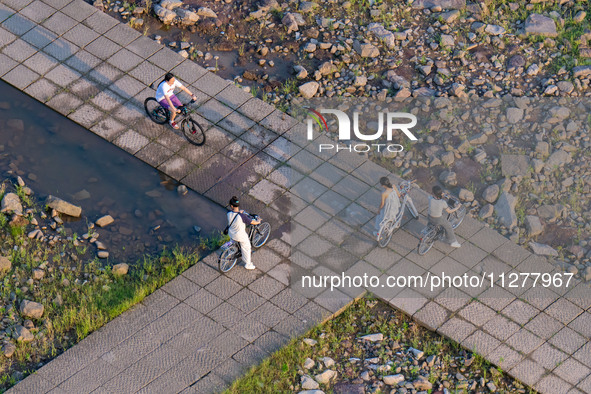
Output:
x,y
56,156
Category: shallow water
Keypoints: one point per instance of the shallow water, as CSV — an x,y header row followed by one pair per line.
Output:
x,y
55,156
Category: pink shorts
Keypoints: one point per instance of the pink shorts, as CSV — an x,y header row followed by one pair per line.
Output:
x,y
175,101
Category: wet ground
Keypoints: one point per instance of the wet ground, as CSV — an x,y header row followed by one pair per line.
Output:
x,y
56,156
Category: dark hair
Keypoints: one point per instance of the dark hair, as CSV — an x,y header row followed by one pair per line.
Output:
x,y
385,182
437,191
234,201
167,77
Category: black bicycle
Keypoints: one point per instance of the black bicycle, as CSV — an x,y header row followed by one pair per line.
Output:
x,y
258,235
191,129
433,232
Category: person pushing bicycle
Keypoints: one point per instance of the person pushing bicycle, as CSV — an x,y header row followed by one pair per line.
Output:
x,y
389,205
166,97
437,205
237,222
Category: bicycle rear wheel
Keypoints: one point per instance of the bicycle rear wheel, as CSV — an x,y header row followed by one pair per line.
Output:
x,y
261,234
385,234
426,242
156,112
193,132
411,208
228,258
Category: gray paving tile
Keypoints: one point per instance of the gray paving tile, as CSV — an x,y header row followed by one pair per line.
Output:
x,y
64,103
279,122
100,22
122,34
20,76
57,4
59,23
524,341
41,63
520,312
572,371
127,87
154,154
6,37
488,239
567,340
563,310
78,10
18,24
125,60
39,37
5,12
456,329
505,357
481,343
528,372
544,326
211,383
19,50
83,62
87,115
148,73
37,11
35,384
552,384
166,59
61,49
62,75
42,90
90,378
103,48
144,47
81,35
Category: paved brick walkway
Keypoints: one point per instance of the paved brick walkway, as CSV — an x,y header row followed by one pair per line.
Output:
x,y
202,330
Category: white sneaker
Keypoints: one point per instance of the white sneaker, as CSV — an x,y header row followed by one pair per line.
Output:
x,y
250,267
455,244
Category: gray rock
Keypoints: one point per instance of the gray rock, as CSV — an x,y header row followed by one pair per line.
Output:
x,y
393,380
31,309
443,4
187,17
308,383
419,354
311,392
5,264
505,210
397,81
516,62
327,361
550,212
206,12
491,193
449,178
494,30
450,16
309,363
105,221
587,274
171,4
532,70
447,40
486,211
514,115
166,16
386,36
543,250
422,383
326,376
581,71
120,269
533,225
565,86
63,206
512,165
366,49
558,159
8,349
102,254
466,195
289,20
21,334
447,158
11,203
373,337
309,89
310,341
307,6
537,24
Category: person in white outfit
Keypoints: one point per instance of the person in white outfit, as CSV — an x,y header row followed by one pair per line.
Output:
x,y
237,222
389,205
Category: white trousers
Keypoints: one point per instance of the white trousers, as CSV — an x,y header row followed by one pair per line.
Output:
x,y
245,247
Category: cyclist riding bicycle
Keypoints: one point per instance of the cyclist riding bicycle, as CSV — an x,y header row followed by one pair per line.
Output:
x,y
389,205
237,222
436,207
165,96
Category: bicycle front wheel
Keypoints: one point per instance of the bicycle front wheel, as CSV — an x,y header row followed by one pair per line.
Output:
x,y
426,242
228,258
411,208
457,217
193,132
385,235
156,112
261,234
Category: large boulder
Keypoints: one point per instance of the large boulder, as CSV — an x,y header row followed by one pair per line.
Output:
x,y
505,210
541,25
533,225
543,250
11,204
165,16
63,206
512,165
386,36
31,309
366,49
558,159
581,71
309,89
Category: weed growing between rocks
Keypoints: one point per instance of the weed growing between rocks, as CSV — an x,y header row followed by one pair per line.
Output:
x,y
52,295
371,348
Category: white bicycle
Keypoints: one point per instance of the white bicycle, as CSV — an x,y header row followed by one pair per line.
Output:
x,y
387,229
